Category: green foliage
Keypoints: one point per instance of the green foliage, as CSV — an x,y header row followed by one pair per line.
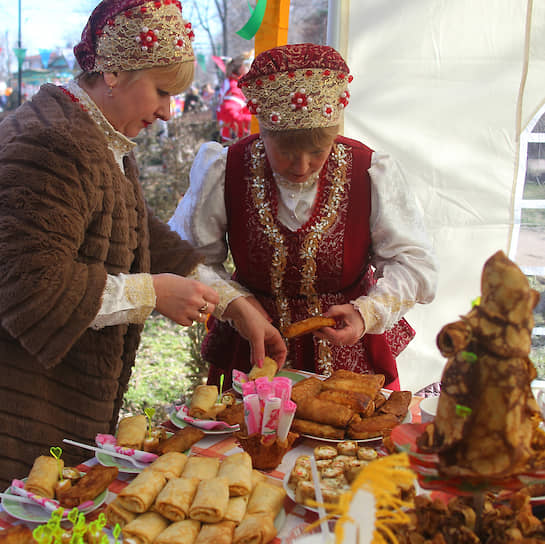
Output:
x,y
168,367
168,364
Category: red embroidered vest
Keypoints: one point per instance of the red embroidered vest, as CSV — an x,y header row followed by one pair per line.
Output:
x,y
299,274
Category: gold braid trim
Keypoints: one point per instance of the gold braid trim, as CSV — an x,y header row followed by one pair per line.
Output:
x,y
336,172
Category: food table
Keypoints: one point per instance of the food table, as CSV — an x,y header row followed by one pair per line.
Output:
x,y
292,519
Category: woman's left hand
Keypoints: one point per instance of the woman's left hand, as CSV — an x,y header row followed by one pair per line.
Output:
x,y
349,322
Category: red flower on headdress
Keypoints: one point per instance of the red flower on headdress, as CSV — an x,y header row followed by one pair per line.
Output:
x,y
147,39
179,42
343,99
328,110
253,106
299,100
275,117
190,33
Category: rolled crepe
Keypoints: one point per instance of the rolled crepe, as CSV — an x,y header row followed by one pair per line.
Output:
x,y
203,403
170,464
139,495
237,468
115,513
255,529
131,432
174,500
236,509
202,468
216,533
211,500
181,532
144,529
44,475
268,370
266,498
181,440
257,477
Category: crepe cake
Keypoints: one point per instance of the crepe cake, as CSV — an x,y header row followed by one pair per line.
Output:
x,y
487,422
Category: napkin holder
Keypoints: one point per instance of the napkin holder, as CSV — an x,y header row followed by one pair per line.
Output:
x,y
265,455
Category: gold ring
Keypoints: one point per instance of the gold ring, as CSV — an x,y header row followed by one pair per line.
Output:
x,y
203,308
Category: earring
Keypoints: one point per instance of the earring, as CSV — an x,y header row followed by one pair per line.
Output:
x,y
110,91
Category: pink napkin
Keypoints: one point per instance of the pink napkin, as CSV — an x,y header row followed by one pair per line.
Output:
x,y
18,488
108,442
206,424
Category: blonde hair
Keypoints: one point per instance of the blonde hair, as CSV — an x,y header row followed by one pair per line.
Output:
x,y
179,74
303,138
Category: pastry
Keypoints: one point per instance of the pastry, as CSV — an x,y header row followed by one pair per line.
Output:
x,y
307,325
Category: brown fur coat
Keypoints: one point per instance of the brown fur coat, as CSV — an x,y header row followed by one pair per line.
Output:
x,y
68,217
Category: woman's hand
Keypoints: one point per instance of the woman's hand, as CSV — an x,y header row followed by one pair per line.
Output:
x,y
182,299
253,323
350,323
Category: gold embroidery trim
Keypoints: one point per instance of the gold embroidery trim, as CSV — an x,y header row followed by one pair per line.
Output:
x,y
336,173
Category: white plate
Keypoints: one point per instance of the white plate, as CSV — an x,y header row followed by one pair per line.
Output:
x,y
293,376
124,466
180,423
291,493
387,392
38,514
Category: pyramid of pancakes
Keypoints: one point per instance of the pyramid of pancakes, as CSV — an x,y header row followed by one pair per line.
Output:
x,y
487,422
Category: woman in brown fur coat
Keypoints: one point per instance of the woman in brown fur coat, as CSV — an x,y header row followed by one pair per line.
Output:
x,y
83,261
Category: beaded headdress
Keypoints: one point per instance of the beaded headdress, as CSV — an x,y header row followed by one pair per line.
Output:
x,y
123,35
297,86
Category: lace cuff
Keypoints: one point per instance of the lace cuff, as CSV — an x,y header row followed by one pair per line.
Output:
x,y
228,290
382,312
127,298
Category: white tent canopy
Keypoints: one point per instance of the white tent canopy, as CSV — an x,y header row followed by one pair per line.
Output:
x,y
446,87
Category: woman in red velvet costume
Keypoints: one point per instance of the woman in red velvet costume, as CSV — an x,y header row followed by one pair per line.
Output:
x,y
317,224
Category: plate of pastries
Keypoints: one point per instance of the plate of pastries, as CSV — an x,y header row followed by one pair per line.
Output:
x,y
348,406
209,411
338,466
202,497
50,485
134,439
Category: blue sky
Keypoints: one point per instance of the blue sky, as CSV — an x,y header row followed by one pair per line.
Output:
x,y
48,24
44,24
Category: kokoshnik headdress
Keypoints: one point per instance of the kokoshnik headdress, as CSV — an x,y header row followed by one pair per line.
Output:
x,y
123,35
297,86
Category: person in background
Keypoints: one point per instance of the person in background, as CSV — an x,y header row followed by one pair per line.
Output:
x,y
192,101
83,260
317,224
232,115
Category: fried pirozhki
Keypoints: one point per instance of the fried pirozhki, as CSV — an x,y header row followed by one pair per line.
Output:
x,y
19,534
323,411
181,440
268,370
371,427
368,384
307,325
397,404
97,479
358,402
310,387
316,429
234,414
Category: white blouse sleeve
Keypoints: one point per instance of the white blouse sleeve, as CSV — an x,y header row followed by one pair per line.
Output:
x,y
201,219
402,254
127,298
